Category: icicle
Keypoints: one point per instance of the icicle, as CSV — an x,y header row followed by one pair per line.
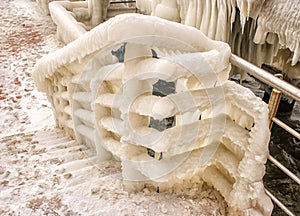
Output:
x,y
221,21
232,4
271,38
296,55
206,20
212,28
191,14
260,35
183,6
199,13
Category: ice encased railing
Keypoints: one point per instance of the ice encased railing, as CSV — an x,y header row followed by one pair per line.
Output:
x,y
101,90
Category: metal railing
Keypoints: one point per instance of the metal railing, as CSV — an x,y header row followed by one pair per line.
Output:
x,y
279,86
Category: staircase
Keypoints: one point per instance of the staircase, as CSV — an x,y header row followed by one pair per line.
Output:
x,y
47,173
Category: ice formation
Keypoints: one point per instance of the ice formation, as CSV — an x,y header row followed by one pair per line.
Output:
x,y
44,5
74,18
255,29
102,88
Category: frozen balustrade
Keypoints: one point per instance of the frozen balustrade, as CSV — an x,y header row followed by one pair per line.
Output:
x,y
74,18
105,90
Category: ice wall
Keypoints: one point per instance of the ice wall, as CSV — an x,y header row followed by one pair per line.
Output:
x,y
102,90
213,17
281,21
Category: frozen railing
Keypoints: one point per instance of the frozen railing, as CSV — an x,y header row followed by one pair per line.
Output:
x,y
81,91
279,86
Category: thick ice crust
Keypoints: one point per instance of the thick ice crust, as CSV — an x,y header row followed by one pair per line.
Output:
x,y
101,88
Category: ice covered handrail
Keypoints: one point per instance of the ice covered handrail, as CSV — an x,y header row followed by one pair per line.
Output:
x,y
102,89
68,29
99,38
287,89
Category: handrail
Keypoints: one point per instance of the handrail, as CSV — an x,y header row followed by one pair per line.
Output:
x,y
279,86
284,169
283,207
266,77
286,127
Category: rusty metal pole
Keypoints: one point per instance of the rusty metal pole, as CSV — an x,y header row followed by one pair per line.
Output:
x,y
274,103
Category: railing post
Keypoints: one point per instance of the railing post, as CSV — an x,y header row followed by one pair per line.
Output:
x,y
273,105
274,102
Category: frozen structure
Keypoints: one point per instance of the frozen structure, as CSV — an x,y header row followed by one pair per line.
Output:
x,y
261,31
74,18
94,9
155,95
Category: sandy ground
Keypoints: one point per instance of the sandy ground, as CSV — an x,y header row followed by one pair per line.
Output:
x,y
43,172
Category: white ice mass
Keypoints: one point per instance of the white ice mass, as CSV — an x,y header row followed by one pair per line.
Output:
x,y
102,89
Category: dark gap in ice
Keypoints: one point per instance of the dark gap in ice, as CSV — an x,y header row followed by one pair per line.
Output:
x,y
154,54
119,53
162,88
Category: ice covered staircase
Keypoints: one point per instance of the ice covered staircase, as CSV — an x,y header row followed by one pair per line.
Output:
x,y
38,167
47,173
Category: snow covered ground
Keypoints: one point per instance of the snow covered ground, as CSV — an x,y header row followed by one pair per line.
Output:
x,y
43,172
25,36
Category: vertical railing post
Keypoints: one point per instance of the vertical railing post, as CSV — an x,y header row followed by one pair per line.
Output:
x,y
273,105
274,102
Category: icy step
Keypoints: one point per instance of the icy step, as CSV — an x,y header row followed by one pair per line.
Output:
x,y
78,164
79,183
60,158
55,144
60,145
95,176
227,163
66,149
56,136
52,141
80,176
221,183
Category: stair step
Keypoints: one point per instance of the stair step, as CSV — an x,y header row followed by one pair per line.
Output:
x,y
78,164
